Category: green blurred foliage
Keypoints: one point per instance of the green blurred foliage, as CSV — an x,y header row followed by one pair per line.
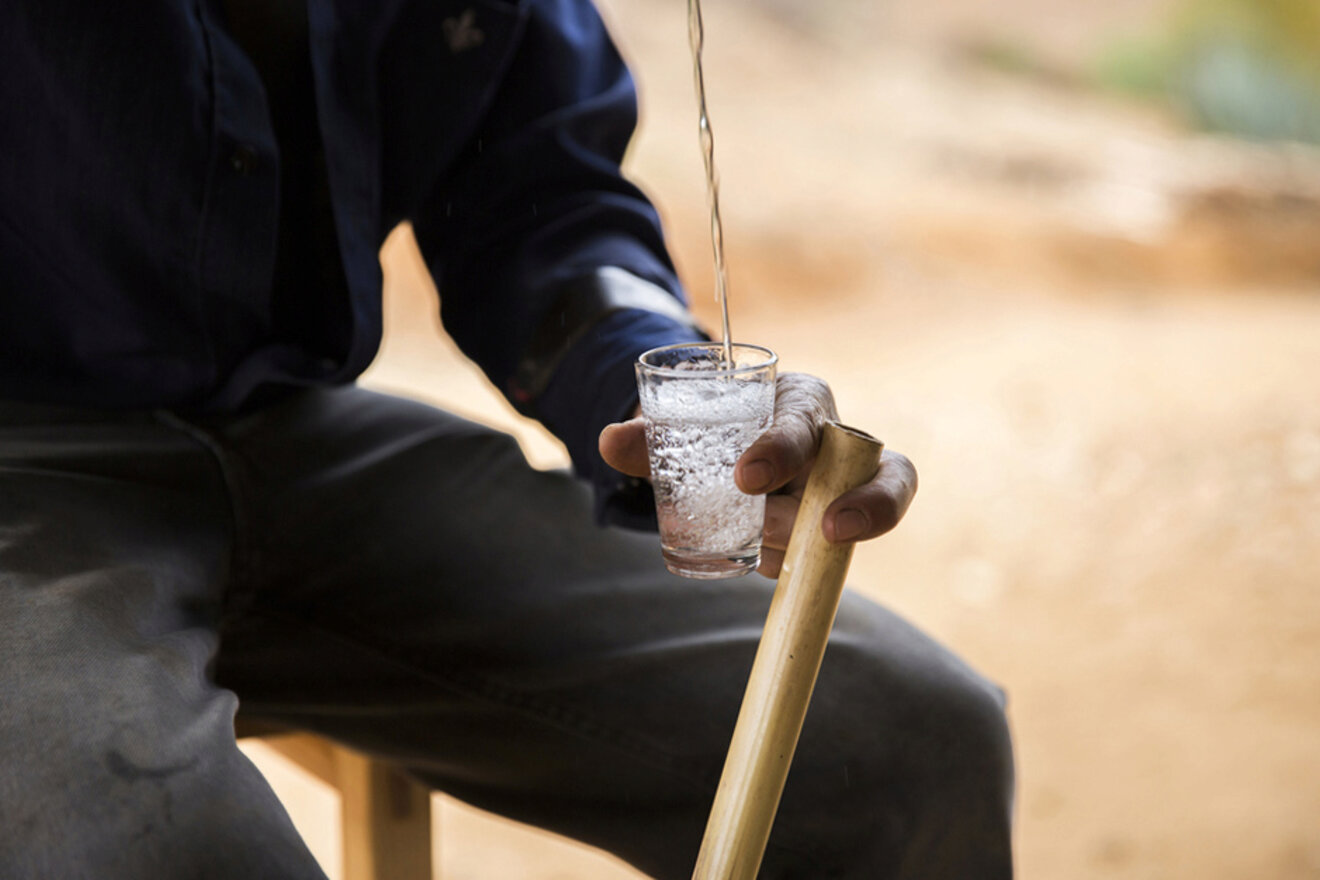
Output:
x,y
1248,67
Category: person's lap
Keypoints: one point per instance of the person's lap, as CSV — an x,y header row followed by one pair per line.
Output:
x,y
118,755
400,580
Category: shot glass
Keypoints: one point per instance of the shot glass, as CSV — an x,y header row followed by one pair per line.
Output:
x,y
702,412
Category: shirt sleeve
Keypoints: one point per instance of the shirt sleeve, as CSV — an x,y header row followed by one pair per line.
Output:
x,y
551,267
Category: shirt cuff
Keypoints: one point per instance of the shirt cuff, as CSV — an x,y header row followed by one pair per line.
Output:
x,y
595,385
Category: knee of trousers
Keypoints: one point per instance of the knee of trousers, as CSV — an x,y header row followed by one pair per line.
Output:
x,y
904,764
958,814
967,742
967,781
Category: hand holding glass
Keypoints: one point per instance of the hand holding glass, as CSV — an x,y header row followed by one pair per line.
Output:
x,y
702,413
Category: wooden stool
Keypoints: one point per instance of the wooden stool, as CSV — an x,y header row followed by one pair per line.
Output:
x,y
385,816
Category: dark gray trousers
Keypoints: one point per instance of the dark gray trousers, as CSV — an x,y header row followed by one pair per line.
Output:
x,y
400,580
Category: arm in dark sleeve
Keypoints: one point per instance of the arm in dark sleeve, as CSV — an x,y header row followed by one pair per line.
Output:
x,y
552,270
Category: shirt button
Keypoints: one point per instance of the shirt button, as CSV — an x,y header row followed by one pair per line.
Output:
x,y
243,160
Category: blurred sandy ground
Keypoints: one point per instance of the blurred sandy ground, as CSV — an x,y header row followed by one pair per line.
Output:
x,y
1097,334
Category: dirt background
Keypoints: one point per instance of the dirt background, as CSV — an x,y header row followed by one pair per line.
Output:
x,y
1096,332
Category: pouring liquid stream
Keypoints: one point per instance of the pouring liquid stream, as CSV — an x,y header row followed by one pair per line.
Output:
x,y
696,38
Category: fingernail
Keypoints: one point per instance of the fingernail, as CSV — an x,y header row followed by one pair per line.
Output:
x,y
850,524
758,475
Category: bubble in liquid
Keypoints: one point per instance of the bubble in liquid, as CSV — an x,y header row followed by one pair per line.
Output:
x,y
696,431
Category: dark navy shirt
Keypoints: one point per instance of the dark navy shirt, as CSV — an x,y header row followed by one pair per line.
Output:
x,y
142,262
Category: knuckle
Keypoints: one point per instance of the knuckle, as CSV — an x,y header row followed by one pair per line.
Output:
x,y
886,510
905,470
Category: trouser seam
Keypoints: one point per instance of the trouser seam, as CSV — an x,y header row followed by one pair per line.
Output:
x,y
239,587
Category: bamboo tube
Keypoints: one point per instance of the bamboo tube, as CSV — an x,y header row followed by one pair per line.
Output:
x,y
787,660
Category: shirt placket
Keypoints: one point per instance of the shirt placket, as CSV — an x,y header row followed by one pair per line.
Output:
x,y
241,202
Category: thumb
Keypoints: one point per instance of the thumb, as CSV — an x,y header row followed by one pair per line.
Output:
x,y
623,447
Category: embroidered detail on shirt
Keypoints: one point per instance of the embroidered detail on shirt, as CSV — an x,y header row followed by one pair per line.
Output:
x,y
462,32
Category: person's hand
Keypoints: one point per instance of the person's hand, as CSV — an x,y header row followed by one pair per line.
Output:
x,y
778,464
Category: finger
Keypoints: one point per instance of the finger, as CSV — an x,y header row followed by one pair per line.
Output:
x,y
785,452
875,508
772,561
623,447
780,512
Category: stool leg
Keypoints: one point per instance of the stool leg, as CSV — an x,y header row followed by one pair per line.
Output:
x,y
386,820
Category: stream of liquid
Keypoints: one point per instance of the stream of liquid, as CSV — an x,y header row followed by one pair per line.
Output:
x,y
696,38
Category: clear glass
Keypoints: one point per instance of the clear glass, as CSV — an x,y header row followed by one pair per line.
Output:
x,y
702,413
